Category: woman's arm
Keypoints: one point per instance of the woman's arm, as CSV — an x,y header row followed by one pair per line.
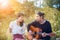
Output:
x,y
10,30
10,27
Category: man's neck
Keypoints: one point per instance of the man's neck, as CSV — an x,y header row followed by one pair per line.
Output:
x,y
42,21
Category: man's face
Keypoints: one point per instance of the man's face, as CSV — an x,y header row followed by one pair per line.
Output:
x,y
20,19
38,18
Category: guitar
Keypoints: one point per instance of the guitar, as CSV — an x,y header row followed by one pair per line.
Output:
x,y
36,32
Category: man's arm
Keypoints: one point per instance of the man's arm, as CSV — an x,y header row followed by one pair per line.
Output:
x,y
48,31
49,28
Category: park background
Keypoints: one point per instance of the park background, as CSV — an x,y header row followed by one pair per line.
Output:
x,y
9,9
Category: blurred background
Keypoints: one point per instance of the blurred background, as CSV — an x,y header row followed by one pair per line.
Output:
x,y
9,9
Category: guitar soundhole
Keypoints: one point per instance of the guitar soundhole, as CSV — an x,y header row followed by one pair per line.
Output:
x,y
34,35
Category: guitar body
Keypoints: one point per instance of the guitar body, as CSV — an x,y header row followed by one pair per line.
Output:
x,y
34,30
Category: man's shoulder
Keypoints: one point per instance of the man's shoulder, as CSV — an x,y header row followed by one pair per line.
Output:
x,y
33,23
47,21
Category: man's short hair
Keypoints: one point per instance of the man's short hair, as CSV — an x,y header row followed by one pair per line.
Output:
x,y
40,13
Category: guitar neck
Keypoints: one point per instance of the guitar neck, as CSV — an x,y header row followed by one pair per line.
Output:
x,y
48,34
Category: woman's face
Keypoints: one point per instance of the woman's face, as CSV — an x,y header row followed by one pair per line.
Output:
x,y
20,19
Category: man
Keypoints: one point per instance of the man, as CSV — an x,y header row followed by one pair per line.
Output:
x,y
45,25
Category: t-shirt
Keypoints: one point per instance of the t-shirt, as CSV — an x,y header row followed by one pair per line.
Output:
x,y
17,29
46,27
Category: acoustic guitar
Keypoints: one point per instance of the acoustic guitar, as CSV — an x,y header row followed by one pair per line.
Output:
x,y
36,32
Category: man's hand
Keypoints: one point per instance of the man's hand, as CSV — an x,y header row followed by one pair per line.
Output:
x,y
44,35
48,34
31,32
52,34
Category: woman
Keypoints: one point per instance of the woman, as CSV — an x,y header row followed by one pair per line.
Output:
x,y
18,27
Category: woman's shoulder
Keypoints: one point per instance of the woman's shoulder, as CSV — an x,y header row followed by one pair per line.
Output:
x,y
13,21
